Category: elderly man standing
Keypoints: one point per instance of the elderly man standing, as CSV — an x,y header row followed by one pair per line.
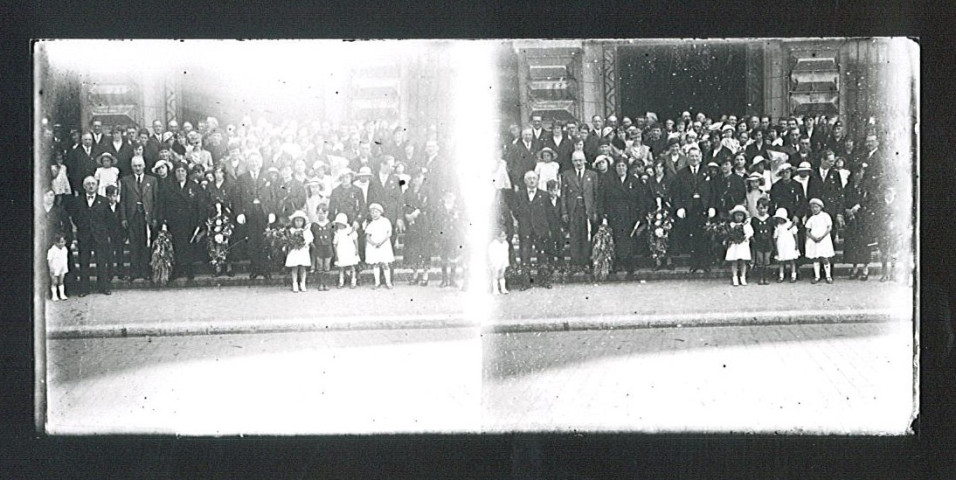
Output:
x,y
80,163
521,157
533,212
692,198
579,188
90,214
138,200
256,210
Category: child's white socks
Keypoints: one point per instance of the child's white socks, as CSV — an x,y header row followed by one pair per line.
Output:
x,y
62,292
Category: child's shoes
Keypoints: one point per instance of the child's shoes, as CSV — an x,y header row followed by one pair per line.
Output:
x,y
736,281
743,280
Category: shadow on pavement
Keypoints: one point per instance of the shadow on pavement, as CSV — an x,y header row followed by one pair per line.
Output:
x,y
517,354
79,359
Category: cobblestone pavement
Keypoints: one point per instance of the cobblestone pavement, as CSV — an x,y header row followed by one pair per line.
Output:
x,y
774,378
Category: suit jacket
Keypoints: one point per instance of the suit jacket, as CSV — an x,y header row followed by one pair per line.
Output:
x,y
520,160
563,151
728,192
255,196
670,164
689,189
591,145
151,153
117,232
789,195
623,203
290,197
347,199
233,172
99,146
124,155
574,192
829,189
534,217
56,221
753,150
181,206
80,165
388,195
92,223
134,197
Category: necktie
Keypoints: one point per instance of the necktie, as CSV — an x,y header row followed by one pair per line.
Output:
x,y
139,180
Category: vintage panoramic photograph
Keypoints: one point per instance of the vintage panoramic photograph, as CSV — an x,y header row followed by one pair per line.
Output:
x,y
404,236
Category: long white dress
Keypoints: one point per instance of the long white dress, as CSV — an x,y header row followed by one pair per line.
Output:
x,y
817,225
299,257
741,251
785,236
378,231
56,259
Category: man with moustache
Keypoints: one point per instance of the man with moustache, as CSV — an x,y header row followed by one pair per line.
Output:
x,y
256,210
692,199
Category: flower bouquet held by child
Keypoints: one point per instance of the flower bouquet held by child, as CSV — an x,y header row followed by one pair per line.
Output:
x,y
162,259
659,224
739,233
602,253
218,232
298,258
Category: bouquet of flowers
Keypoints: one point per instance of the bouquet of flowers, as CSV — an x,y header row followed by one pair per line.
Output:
x,y
218,231
277,241
162,258
602,253
660,223
717,230
296,239
735,233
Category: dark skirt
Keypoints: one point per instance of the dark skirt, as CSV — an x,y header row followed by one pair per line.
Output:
x,y
857,240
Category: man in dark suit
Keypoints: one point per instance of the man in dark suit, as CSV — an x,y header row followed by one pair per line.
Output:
x,y
117,233
579,187
90,214
256,210
386,191
121,150
150,148
138,206
533,212
729,190
593,140
99,138
825,183
623,203
521,158
80,163
561,145
537,131
692,199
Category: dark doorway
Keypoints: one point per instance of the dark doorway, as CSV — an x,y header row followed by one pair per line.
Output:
x,y
685,75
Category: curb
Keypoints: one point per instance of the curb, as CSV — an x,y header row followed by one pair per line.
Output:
x,y
696,320
606,322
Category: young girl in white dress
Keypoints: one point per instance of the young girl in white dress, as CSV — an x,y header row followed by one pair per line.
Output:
x,y
498,262
345,243
61,181
299,259
378,246
785,241
738,251
57,259
819,244
106,174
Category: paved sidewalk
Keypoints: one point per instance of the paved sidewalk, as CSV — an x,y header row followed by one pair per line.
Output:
x,y
265,309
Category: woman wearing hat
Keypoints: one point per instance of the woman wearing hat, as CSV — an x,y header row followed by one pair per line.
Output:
x,y
859,222
180,213
107,174
220,197
416,208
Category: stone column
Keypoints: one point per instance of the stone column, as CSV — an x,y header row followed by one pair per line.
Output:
x,y
592,81
776,83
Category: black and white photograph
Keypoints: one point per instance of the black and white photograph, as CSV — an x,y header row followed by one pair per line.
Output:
x,y
255,237
705,236
314,237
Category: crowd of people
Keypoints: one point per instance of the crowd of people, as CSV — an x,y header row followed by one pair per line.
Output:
x,y
744,190
307,196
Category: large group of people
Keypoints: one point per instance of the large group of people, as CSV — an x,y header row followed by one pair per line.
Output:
x,y
338,196
744,190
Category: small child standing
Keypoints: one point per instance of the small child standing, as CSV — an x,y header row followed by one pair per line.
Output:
x,y
378,248
345,244
819,244
738,249
322,232
298,258
785,237
58,262
106,174
61,182
447,225
762,225
498,262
